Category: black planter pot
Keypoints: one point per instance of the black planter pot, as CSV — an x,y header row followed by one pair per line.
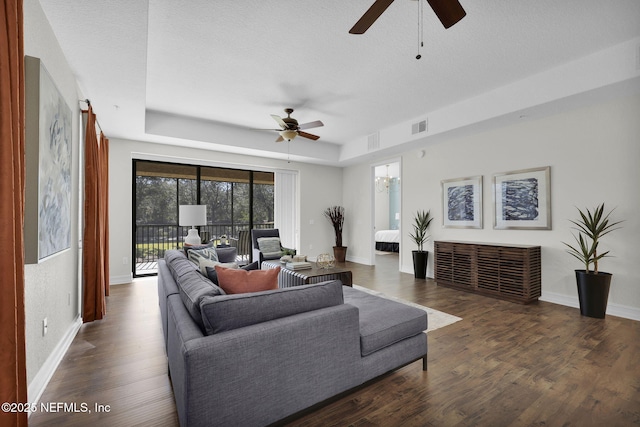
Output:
x,y
420,259
593,293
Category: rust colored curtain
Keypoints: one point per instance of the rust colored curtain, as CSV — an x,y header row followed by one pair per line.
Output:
x,y
104,199
13,372
95,257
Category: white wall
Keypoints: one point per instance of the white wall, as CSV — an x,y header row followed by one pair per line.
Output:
x,y
594,154
358,205
51,287
319,187
382,210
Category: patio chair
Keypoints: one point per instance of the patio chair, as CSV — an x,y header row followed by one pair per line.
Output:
x,y
243,245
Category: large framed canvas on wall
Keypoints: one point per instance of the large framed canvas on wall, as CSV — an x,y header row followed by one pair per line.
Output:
x,y
462,202
48,162
522,199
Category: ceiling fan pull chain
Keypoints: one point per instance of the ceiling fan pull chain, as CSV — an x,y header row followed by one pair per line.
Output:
x,y
421,24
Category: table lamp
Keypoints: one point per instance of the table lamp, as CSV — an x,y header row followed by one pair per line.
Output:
x,y
192,215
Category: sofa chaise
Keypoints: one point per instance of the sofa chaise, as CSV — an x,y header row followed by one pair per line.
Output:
x,y
253,359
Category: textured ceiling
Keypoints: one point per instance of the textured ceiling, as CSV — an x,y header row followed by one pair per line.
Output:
x,y
228,65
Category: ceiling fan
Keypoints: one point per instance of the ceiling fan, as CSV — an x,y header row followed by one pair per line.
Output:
x,y
448,11
289,127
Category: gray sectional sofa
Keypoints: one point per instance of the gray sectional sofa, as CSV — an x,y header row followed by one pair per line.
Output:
x,y
257,358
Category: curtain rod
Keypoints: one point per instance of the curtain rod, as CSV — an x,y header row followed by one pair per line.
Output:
x,y
88,102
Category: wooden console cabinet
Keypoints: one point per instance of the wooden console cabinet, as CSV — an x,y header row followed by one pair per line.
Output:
x,y
510,272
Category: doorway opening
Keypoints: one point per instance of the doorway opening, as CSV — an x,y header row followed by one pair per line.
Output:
x,y
387,218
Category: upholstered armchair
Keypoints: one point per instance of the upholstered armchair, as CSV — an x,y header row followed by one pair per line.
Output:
x,y
276,251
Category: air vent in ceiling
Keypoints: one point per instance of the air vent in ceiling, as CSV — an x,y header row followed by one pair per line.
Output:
x,y
419,127
373,141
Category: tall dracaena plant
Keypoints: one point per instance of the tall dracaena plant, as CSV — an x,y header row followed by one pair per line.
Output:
x,y
421,222
335,215
591,226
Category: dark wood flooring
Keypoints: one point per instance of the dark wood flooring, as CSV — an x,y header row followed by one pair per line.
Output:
x,y
504,364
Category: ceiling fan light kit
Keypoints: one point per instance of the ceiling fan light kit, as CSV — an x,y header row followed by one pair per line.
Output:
x,y
288,134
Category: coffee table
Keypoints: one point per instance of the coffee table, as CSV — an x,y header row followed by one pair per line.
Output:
x,y
288,278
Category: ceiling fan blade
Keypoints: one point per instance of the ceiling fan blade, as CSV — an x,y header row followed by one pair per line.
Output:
x,y
308,135
310,125
370,16
280,121
448,12
280,139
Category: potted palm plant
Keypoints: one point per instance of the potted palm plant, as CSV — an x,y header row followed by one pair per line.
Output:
x,y
593,285
421,222
335,215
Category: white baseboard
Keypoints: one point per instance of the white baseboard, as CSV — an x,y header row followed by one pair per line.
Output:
x,y
121,280
42,378
613,309
358,260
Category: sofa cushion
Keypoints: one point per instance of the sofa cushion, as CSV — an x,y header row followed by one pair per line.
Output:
x,y
213,276
237,281
229,312
178,263
193,288
384,322
173,254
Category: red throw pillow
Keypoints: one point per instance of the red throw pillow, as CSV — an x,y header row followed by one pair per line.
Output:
x,y
238,281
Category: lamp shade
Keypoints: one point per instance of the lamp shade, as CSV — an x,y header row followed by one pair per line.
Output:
x,y
190,215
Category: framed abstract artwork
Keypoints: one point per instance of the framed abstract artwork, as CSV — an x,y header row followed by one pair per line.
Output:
x,y
462,202
48,154
522,199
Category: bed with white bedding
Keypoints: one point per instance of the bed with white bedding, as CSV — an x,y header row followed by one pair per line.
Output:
x,y
388,240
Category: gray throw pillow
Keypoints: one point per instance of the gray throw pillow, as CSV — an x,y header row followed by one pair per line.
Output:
x,y
227,254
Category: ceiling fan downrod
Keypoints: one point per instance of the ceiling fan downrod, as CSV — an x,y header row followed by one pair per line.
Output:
x,y
420,29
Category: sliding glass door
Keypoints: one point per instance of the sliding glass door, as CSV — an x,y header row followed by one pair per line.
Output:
x,y
237,201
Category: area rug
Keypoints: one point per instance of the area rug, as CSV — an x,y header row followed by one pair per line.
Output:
x,y
436,319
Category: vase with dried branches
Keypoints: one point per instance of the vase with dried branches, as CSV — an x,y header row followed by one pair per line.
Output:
x,y
335,215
